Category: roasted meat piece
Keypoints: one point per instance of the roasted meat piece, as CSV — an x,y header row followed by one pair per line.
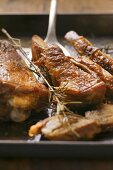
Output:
x,y
84,47
19,90
71,127
103,115
77,84
80,46
94,68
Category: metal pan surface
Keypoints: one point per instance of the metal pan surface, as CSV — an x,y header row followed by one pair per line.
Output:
x,y
14,140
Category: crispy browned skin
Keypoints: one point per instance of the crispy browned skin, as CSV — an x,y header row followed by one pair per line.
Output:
x,y
80,46
74,127
103,115
84,47
19,88
79,85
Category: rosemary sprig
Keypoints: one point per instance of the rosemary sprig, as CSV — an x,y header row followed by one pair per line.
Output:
x,y
61,107
36,69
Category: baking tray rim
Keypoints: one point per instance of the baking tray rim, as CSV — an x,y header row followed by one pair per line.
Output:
x,y
56,149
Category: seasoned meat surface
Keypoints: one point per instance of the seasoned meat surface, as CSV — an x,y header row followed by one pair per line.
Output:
x,y
72,127
19,88
77,84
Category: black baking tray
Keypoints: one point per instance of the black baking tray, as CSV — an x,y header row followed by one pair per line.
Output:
x,y
14,140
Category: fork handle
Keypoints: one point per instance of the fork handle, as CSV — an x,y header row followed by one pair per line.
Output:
x,y
51,33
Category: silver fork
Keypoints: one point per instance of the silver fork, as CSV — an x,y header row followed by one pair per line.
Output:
x,y
51,37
